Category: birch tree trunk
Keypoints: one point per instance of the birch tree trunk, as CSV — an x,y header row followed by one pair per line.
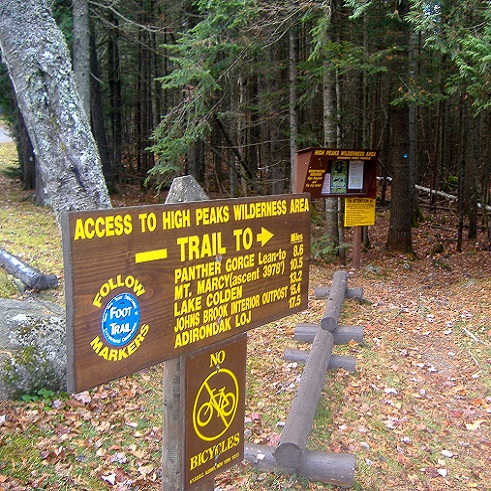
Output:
x,y
37,58
81,51
292,78
330,127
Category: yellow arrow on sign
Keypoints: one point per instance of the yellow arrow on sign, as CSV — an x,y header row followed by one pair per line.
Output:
x,y
264,236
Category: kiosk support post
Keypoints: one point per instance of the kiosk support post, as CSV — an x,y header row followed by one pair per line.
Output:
x,y
357,233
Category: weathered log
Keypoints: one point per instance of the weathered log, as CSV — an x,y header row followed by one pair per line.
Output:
x,y
348,363
31,277
293,438
337,469
323,292
329,321
306,332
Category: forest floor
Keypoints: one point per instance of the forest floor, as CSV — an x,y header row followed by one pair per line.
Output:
x,y
417,411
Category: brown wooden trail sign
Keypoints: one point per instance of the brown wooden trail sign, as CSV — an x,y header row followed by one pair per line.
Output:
x,y
150,283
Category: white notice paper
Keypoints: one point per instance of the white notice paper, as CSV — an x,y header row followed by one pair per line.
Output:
x,y
355,174
326,185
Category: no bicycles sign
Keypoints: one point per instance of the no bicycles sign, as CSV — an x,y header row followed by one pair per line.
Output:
x,y
215,384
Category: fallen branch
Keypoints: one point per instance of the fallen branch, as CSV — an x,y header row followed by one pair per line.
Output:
x,y
29,276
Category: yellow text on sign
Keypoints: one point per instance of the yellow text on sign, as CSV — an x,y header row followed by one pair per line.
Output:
x,y
359,212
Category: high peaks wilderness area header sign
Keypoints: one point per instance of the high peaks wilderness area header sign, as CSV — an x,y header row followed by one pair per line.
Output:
x,y
146,284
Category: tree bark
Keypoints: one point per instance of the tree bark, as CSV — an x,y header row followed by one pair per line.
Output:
x,y
399,236
97,112
403,159
81,51
330,125
37,58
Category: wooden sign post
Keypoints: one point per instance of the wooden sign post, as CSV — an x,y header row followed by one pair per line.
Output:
x,y
152,283
358,213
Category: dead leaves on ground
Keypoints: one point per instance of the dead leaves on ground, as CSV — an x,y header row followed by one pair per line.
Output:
x,y
90,440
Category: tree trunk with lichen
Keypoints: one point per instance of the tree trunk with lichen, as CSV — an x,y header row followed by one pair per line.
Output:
x,y
37,58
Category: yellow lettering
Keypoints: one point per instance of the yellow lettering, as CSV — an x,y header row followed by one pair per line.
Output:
x,y
96,344
274,295
187,306
299,205
240,262
104,352
111,284
103,226
196,247
212,215
197,271
176,219
79,230
215,451
113,355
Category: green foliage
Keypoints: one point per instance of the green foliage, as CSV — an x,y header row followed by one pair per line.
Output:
x,y
450,184
12,171
7,288
28,365
322,250
62,13
7,98
43,394
461,33
205,57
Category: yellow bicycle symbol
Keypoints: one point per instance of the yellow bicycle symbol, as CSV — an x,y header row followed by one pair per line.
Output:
x,y
215,408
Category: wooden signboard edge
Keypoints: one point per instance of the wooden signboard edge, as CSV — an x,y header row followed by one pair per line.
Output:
x,y
69,304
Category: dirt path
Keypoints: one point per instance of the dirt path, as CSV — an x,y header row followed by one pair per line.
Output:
x,y
425,372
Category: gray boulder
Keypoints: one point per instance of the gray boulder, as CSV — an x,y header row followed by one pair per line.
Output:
x,y
32,347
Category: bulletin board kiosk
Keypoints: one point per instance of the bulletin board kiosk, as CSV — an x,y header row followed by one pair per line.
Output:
x,y
333,172
347,173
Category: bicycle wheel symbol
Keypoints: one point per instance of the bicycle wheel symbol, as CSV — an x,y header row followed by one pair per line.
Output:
x,y
215,405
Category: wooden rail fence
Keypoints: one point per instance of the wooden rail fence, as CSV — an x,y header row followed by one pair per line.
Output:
x,y
290,455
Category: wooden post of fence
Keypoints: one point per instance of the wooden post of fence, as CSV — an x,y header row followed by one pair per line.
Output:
x,y
348,363
298,424
328,467
323,292
306,332
183,189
